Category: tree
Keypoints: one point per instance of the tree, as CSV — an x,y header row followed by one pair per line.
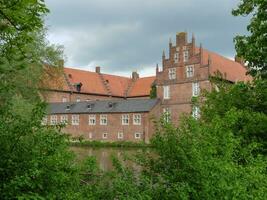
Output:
x,y
253,47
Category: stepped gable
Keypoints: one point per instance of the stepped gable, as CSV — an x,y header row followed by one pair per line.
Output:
x,y
141,87
230,69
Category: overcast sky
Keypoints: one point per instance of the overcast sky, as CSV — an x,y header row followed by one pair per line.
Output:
x,y
126,35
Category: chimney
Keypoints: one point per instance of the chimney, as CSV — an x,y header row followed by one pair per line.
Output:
x,y
135,76
239,60
97,69
61,63
181,39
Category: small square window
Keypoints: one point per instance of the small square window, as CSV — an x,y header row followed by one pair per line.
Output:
x,y
189,71
137,119
186,55
195,112
172,73
53,120
44,120
64,119
176,57
90,135
64,99
137,135
105,136
120,135
167,114
195,89
92,120
78,99
103,119
166,92
125,119
75,120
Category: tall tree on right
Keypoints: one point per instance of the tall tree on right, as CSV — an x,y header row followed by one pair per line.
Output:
x,y
253,47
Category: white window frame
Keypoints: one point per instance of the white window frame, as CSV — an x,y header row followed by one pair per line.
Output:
x,y
120,135
104,135
103,120
176,57
90,135
166,92
167,114
137,119
92,120
195,89
64,119
137,135
53,119
186,55
172,73
75,120
78,99
64,99
189,71
125,119
44,120
196,112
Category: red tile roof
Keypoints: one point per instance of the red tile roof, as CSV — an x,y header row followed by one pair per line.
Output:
x,y
142,86
231,70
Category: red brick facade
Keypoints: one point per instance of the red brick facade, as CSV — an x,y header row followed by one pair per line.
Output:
x,y
185,73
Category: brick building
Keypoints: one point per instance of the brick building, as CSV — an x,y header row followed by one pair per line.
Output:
x,y
184,73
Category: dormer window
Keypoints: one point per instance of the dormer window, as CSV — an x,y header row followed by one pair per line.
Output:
x,y
68,107
189,71
78,86
186,55
89,106
172,73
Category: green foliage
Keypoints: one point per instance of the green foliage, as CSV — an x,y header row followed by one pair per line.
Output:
x,y
153,92
253,47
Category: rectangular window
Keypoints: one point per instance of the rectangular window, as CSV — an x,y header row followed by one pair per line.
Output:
x,y
195,112
137,119
172,73
78,99
90,135
53,120
166,114
44,120
103,119
120,135
137,135
186,56
92,120
195,89
75,120
166,92
125,119
64,99
64,119
176,57
105,136
189,71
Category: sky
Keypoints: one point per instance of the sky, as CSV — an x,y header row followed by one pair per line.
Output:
x,y
122,36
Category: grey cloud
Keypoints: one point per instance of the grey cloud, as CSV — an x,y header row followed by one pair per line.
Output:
x,y
123,35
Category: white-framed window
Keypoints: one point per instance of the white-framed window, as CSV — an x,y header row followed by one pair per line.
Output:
x,y
189,71
103,119
75,120
120,135
64,99
104,135
172,73
195,89
195,112
125,119
167,114
64,119
53,119
44,120
92,120
137,119
166,92
137,135
176,57
186,55
90,135
78,99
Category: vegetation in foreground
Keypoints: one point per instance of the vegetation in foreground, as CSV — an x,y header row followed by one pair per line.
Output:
x,y
220,156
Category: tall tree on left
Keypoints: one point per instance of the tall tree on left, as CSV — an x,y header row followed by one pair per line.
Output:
x,y
35,162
